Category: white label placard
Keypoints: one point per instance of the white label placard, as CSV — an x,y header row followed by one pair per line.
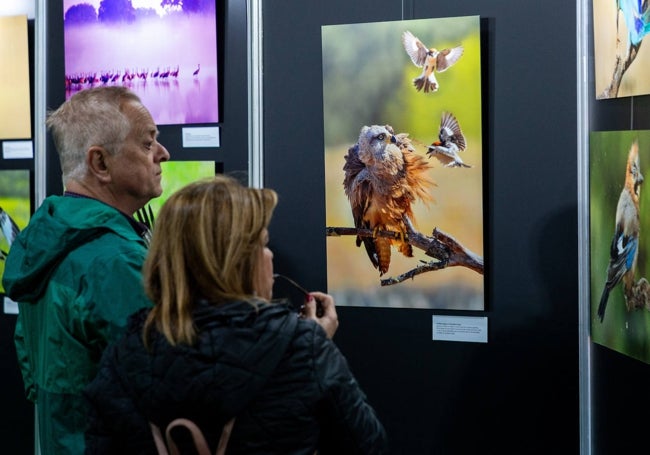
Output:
x,y
460,328
201,136
10,307
17,149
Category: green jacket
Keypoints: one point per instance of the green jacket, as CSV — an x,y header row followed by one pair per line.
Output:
x,y
76,272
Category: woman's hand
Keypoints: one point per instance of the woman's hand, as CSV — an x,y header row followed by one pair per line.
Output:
x,y
320,307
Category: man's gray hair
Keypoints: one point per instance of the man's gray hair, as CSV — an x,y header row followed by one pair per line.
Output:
x,y
91,117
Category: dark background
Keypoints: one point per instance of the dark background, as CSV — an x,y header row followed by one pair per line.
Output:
x,y
618,381
232,155
16,418
517,394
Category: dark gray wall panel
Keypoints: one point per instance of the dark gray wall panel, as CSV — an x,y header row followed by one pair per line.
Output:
x,y
518,393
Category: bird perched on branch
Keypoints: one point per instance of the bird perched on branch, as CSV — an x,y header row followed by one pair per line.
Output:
x,y
624,248
450,141
9,230
430,60
383,178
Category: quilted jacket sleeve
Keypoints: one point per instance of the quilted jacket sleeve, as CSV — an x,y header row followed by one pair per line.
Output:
x,y
348,423
114,424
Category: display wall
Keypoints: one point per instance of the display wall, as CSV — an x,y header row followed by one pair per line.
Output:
x,y
518,393
617,377
17,420
232,153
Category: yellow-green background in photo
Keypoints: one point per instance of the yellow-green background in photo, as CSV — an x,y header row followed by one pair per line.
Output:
x,y
177,174
623,331
367,79
15,116
15,200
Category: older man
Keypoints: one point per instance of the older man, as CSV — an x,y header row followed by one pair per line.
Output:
x,y
76,269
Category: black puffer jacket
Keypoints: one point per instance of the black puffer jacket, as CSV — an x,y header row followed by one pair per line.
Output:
x,y
288,385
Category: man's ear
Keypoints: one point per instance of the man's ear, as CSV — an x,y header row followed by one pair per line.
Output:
x,y
96,158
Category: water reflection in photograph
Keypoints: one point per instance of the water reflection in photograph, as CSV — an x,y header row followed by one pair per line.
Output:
x,y
164,52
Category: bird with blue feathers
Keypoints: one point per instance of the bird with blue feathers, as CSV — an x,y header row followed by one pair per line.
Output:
x,y
624,248
637,19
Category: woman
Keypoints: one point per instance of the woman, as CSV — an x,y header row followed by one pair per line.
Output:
x,y
213,347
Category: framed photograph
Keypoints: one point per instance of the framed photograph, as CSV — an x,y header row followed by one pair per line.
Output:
x,y
619,256
15,210
402,128
164,50
177,174
620,62
15,112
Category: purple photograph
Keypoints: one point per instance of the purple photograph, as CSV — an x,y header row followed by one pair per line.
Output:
x,y
163,50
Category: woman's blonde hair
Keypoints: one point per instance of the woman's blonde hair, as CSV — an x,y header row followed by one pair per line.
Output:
x,y
206,244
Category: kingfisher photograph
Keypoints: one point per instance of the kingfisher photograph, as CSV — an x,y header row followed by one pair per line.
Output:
x,y
620,61
403,163
163,50
619,214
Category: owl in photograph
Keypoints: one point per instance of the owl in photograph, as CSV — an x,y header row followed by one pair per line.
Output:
x,y
430,60
383,178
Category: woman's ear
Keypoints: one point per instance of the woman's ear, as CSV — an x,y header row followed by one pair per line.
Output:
x,y
96,158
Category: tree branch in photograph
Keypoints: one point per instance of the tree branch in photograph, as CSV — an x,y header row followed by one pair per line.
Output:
x,y
447,251
622,64
639,296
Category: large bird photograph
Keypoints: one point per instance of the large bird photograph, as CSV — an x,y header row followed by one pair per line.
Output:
x,y
619,218
15,210
164,50
403,163
621,60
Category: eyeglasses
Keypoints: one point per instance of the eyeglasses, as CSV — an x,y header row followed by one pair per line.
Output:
x,y
294,285
305,293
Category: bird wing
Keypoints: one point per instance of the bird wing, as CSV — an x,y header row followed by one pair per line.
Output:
x,y
9,228
414,48
450,130
359,192
352,167
447,57
622,254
